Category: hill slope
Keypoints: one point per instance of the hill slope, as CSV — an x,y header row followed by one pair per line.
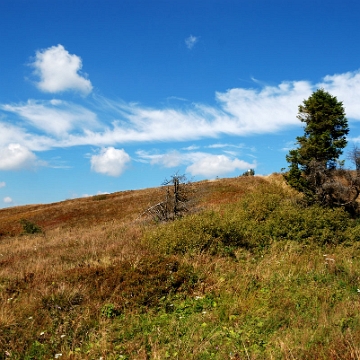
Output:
x,y
250,273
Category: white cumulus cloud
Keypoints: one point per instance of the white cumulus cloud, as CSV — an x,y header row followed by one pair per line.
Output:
x,y
16,157
8,200
59,71
2,184
110,161
346,87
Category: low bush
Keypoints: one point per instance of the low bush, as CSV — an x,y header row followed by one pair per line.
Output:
x,y
29,227
268,214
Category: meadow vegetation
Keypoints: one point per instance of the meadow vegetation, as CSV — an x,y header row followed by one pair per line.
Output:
x,y
250,273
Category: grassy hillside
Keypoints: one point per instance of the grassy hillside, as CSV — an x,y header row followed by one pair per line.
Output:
x,y
250,274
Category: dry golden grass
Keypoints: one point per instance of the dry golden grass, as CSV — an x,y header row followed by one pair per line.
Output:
x,y
122,206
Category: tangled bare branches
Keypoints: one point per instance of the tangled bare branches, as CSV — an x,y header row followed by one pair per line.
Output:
x,y
178,196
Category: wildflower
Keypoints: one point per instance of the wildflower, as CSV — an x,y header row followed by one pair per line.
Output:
x,y
30,318
42,333
58,355
358,290
62,336
7,353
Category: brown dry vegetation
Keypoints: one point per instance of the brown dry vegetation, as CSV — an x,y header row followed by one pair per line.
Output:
x,y
122,206
104,280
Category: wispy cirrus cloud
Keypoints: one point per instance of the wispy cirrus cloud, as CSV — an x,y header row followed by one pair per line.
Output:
x,y
55,117
191,41
13,131
59,71
170,159
198,163
224,145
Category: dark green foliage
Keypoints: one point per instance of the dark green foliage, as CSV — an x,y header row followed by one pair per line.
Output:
x,y
325,132
324,137
250,172
37,351
29,227
314,167
109,311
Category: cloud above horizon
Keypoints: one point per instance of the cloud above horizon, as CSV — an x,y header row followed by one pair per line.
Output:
x,y
8,200
55,117
16,157
217,165
58,71
191,41
198,162
110,161
40,125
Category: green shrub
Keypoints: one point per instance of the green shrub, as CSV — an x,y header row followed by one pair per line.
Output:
x,y
313,224
268,214
37,350
30,227
109,311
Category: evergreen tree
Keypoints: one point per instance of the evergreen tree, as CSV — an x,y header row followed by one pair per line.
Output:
x,y
325,132
312,165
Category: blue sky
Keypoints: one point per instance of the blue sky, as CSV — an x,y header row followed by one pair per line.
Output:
x,y
104,96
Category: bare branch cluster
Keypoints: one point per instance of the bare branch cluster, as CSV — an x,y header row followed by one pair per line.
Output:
x,y
333,187
178,196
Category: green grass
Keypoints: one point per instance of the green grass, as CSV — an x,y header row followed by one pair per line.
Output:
x,y
258,276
